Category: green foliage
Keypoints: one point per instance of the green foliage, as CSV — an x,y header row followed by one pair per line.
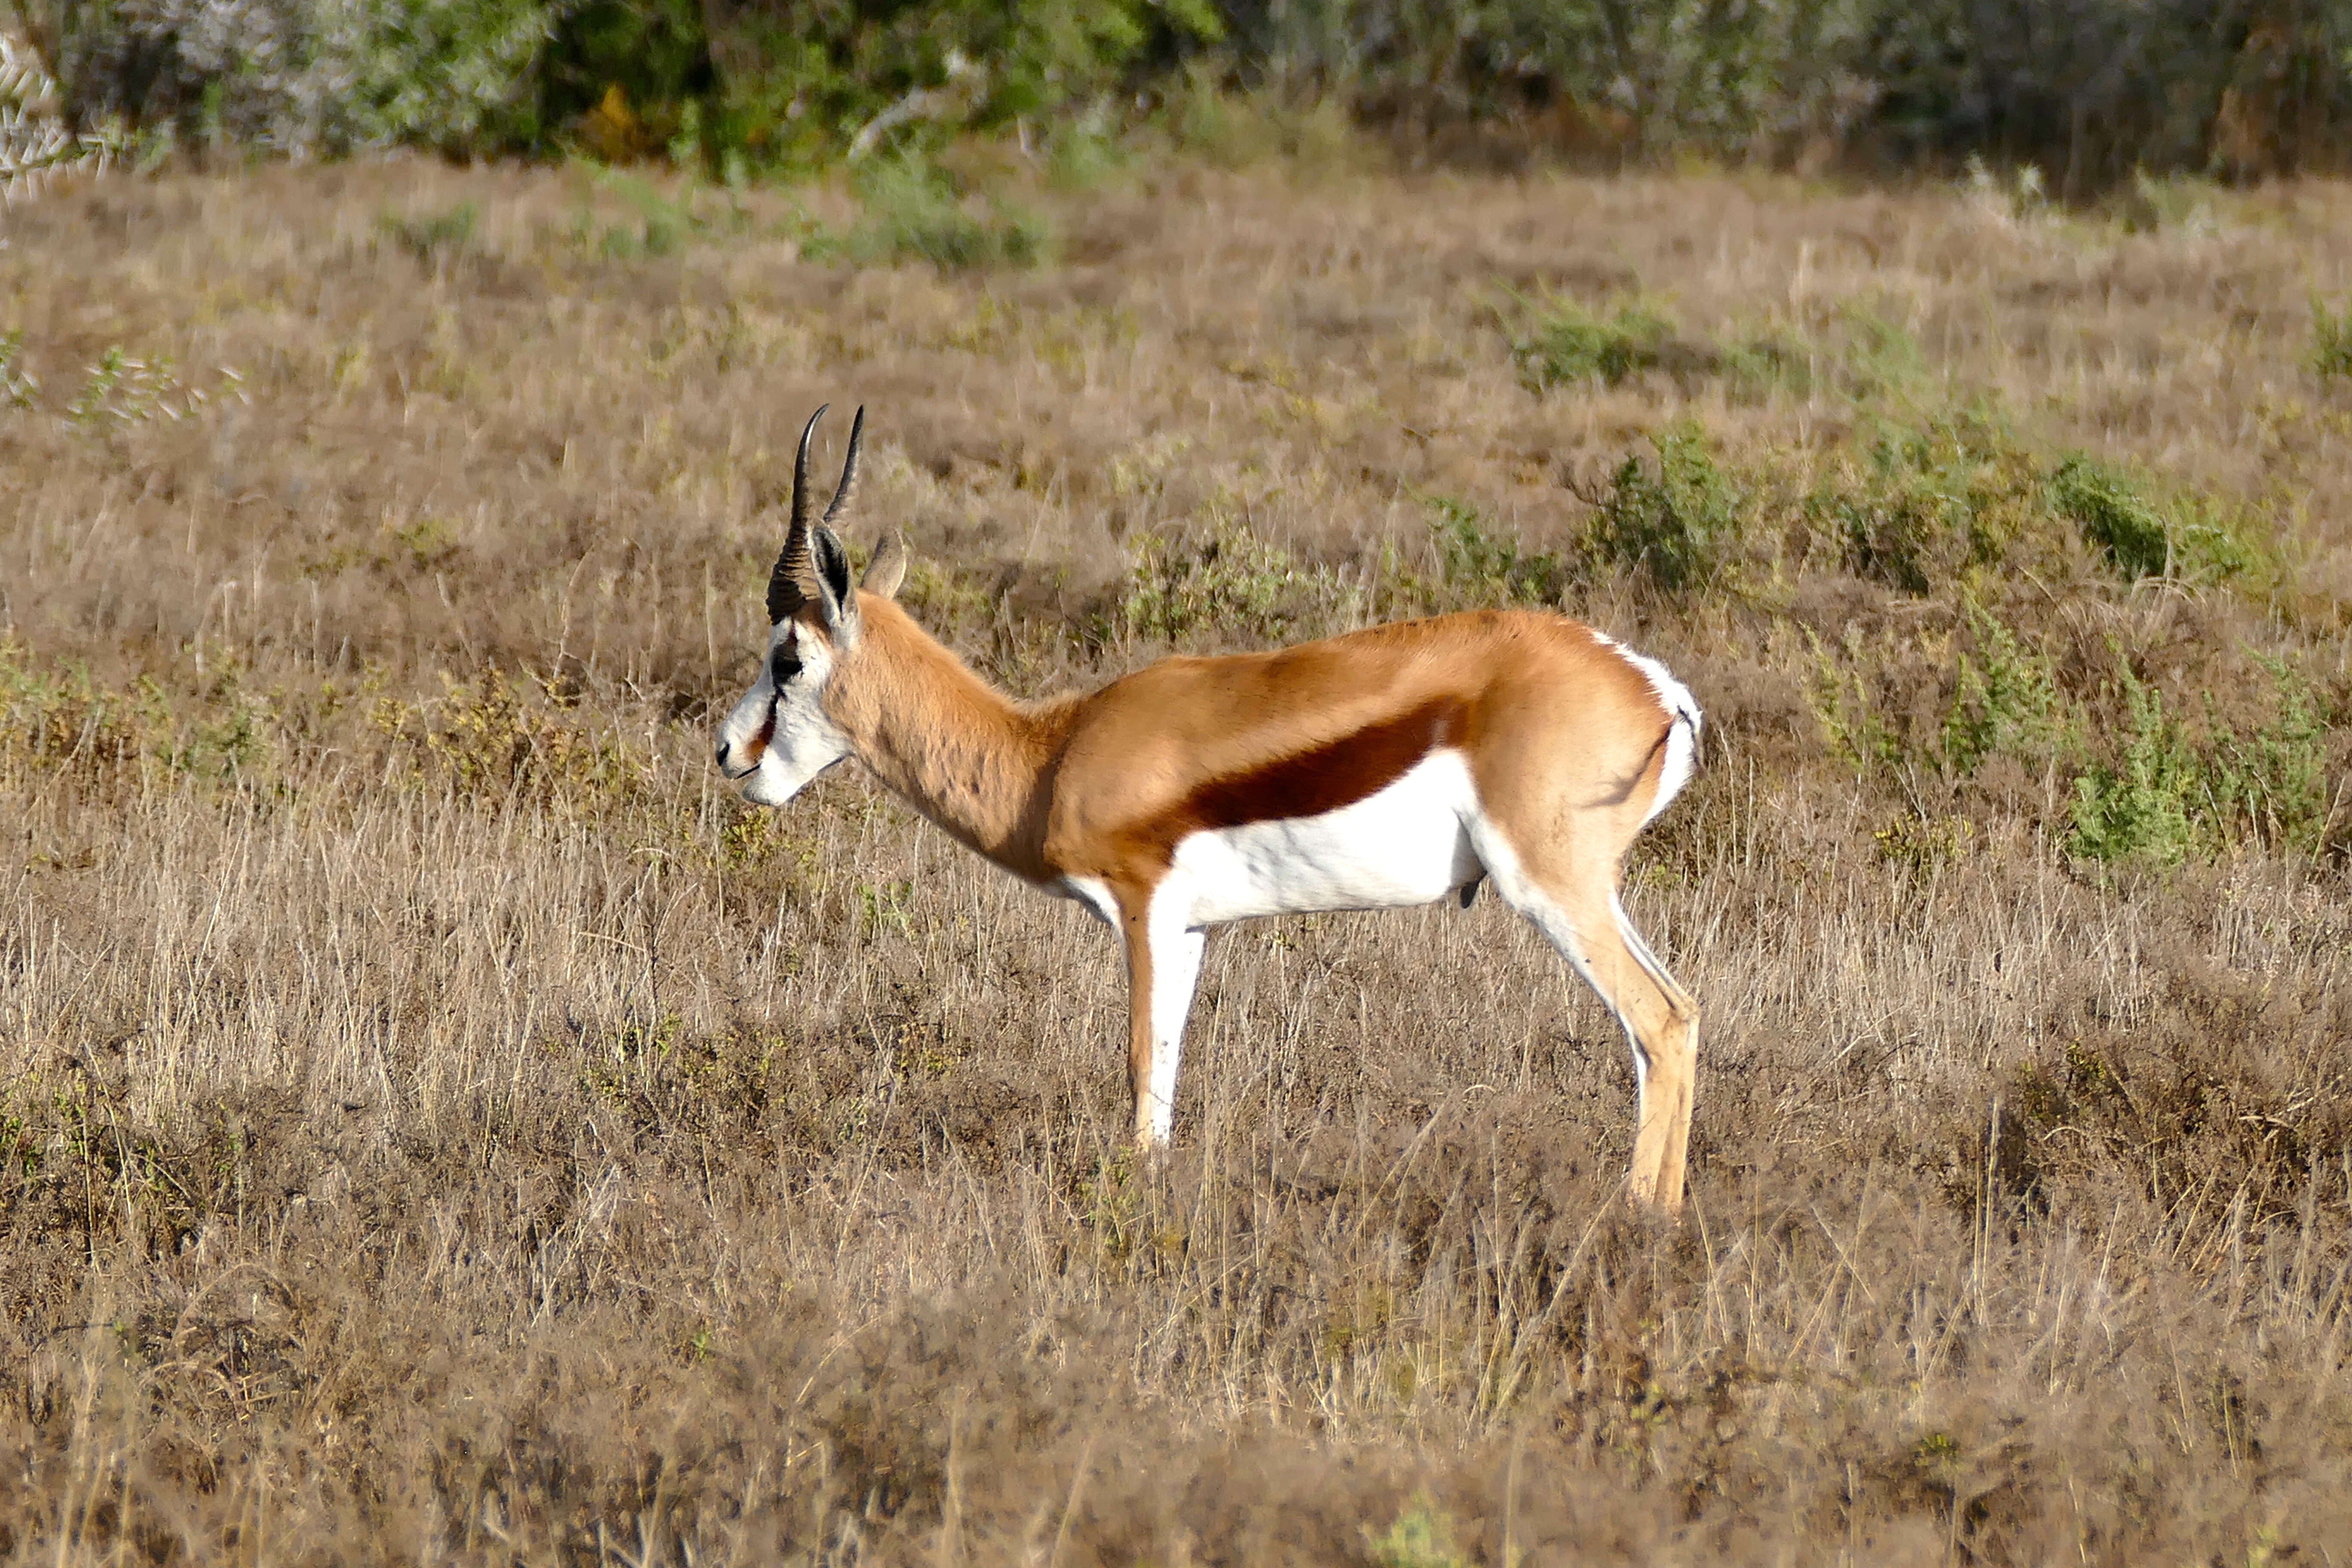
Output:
x,y
1929,504
304,77
1227,583
2331,339
767,83
1084,153
124,389
1422,1537
1485,568
36,143
2272,783
19,388
2139,538
1679,521
1839,696
2005,699
1768,360
2113,516
1567,343
2104,90
2165,796
434,238
2138,807
915,211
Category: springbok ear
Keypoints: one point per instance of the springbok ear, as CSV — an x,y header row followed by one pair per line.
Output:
x,y
838,603
888,569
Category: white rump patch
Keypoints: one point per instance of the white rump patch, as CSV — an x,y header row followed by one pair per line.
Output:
x,y
1685,721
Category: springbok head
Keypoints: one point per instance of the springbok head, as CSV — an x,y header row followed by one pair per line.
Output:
x,y
781,735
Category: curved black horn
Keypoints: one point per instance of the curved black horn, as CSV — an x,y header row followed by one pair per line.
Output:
x,y
848,486
788,583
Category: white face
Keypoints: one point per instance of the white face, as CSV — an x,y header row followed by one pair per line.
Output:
x,y
778,737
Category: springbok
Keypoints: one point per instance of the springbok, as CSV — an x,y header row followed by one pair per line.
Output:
x,y
1387,767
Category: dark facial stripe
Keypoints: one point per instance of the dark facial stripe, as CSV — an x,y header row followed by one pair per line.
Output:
x,y
1311,782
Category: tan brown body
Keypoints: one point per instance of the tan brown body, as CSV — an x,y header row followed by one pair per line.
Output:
x,y
1387,767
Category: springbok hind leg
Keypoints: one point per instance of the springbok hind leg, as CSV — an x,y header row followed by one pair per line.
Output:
x,y
1580,916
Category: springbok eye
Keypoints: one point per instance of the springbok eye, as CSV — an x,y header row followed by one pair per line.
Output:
x,y
785,664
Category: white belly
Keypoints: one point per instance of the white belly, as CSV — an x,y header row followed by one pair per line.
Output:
x,y
1406,845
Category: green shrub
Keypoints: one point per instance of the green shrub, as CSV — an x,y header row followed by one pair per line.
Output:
x,y
1839,695
19,388
1225,582
1084,153
435,238
2331,339
1484,568
125,389
2113,516
1422,1537
2138,537
1678,522
2005,699
2272,783
915,212
2138,807
305,77
1929,504
1567,343
1768,360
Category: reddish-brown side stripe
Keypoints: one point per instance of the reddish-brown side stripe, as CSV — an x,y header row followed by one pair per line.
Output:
x,y
1310,783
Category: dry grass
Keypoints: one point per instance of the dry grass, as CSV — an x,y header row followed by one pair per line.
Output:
x,y
439,1124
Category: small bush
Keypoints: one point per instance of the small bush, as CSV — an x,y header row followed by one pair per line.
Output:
x,y
2139,538
2331,339
1485,568
2139,808
1567,343
434,238
1769,361
1839,696
2113,516
1677,523
1422,1537
1930,504
914,212
124,389
1084,155
2005,699
2272,783
19,388
1227,583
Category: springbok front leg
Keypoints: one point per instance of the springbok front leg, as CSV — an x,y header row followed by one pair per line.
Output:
x,y
1163,965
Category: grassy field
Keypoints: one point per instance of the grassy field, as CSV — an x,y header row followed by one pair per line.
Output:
x,y
437,1123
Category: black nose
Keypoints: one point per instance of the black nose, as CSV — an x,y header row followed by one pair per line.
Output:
x,y
719,755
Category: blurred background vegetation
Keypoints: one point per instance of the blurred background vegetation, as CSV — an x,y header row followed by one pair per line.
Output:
x,y
2086,91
